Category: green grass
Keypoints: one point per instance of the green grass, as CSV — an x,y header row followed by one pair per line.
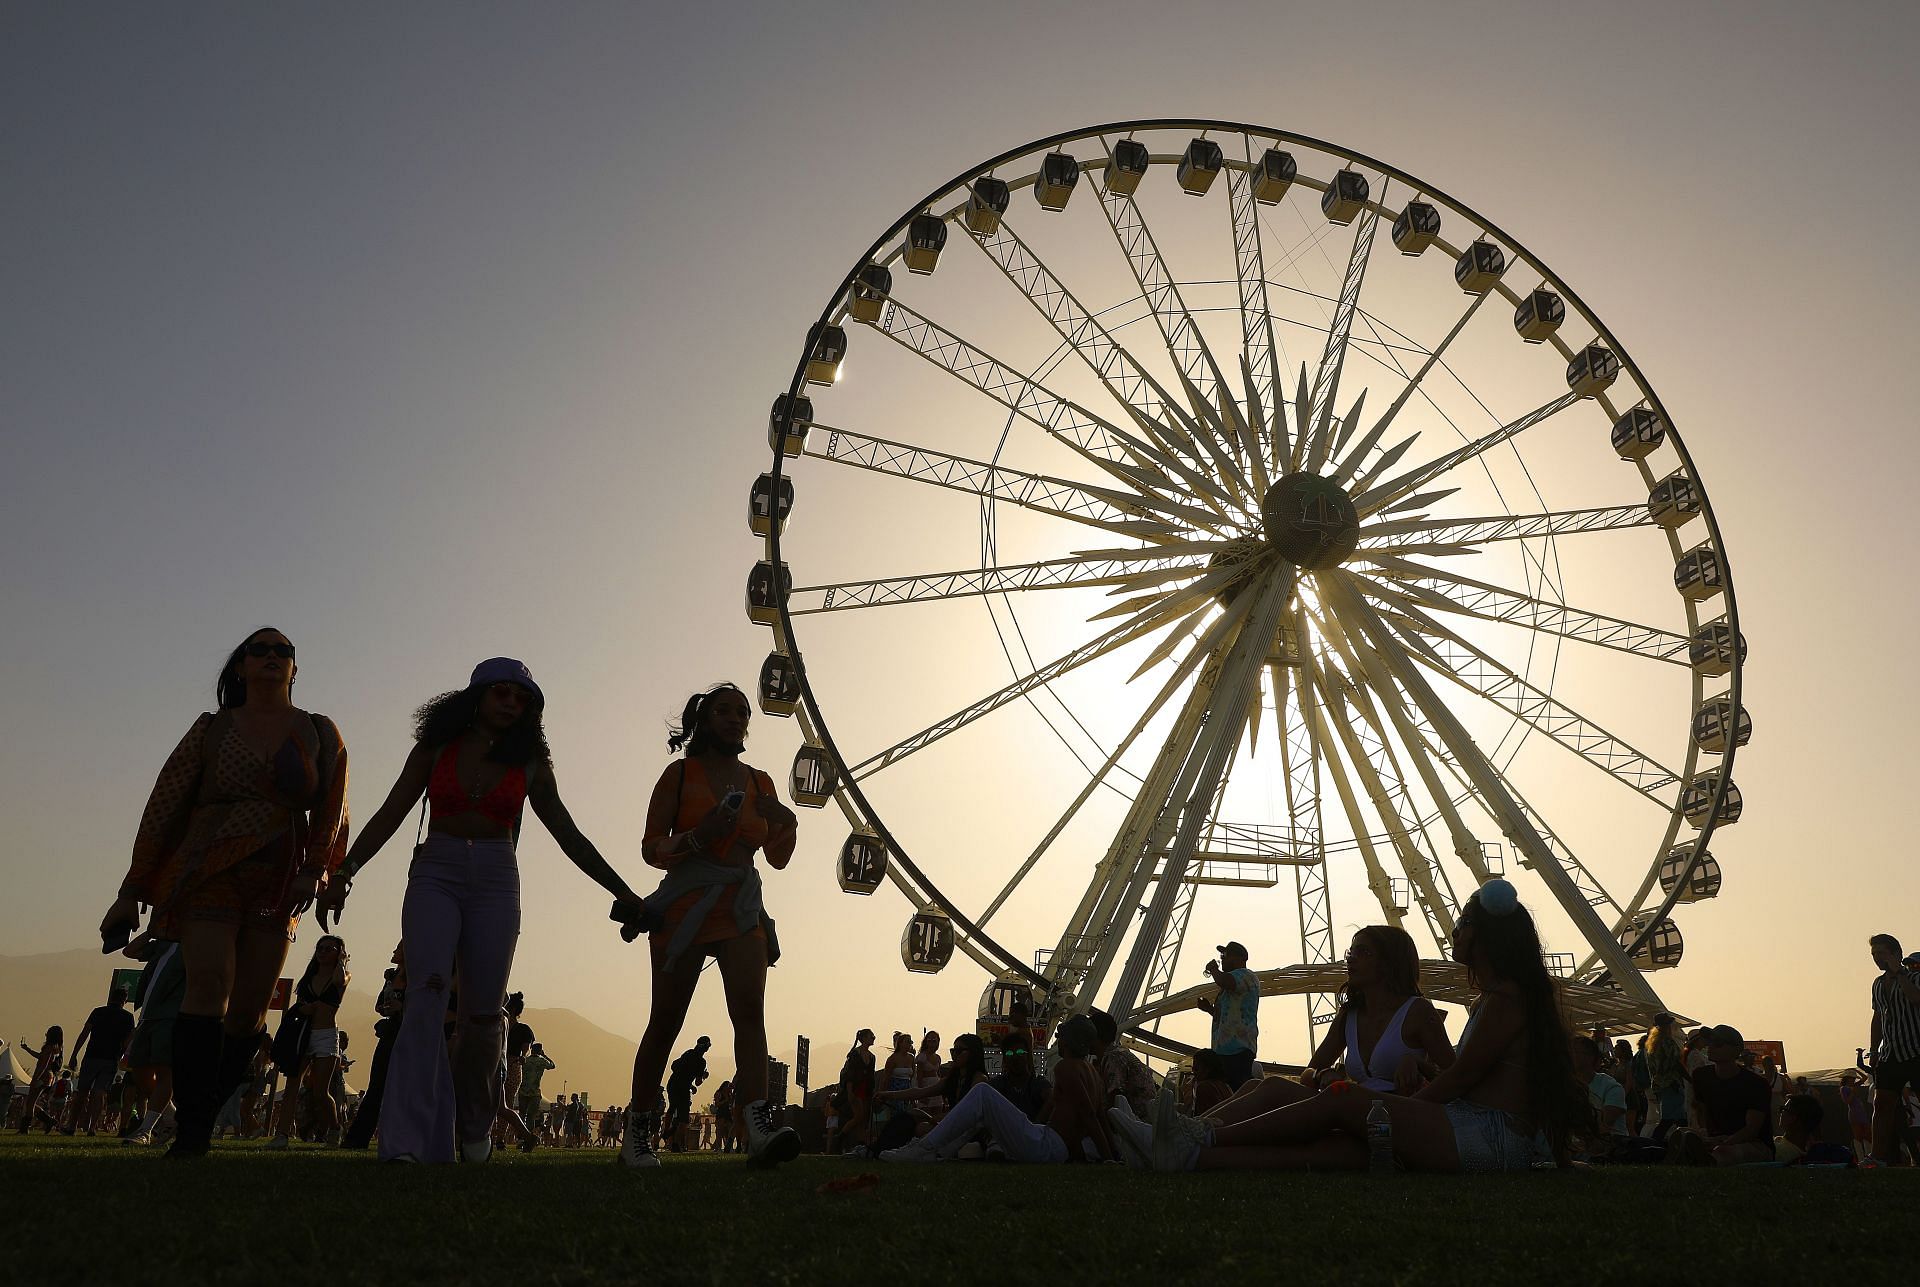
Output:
x,y
81,1211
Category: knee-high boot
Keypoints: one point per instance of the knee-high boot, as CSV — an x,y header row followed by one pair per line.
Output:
x,y
196,1072
236,1061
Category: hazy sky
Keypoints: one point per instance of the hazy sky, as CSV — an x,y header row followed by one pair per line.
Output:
x,y
427,333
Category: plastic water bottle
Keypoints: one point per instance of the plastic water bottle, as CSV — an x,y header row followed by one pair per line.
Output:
x,y
1379,1137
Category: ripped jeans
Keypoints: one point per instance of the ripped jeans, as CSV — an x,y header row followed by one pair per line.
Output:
x,y
462,906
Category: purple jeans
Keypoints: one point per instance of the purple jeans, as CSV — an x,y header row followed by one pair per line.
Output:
x,y
462,906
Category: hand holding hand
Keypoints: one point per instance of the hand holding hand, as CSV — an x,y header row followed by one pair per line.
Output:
x,y
333,900
305,886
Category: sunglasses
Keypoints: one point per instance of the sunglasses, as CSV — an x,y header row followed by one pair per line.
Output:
x,y
282,650
509,692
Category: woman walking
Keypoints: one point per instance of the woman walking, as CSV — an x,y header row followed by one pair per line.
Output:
x,y
246,821
46,1066
709,815
307,1047
480,754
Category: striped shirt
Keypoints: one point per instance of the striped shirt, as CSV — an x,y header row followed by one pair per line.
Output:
x,y
1899,1017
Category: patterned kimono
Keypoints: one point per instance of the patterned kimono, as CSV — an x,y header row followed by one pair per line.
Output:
x,y
227,829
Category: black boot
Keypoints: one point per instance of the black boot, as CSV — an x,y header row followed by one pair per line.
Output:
x,y
196,1073
236,1061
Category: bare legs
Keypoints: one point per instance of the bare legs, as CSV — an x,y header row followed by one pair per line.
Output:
x,y
1329,1131
1257,1097
672,994
743,972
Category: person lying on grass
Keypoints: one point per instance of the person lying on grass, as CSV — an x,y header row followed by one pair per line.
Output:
x,y
1070,1129
1505,1104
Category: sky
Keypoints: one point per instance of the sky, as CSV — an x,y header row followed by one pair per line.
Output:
x,y
437,332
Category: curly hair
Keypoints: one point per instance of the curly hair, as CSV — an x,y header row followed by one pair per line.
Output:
x,y
691,732
447,717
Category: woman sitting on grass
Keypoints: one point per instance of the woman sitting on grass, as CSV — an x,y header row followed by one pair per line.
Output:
x,y
1506,1102
1385,1035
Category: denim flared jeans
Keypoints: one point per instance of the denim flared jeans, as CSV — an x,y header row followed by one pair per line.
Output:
x,y
462,908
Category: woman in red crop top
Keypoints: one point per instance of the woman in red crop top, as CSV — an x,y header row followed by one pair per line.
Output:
x,y
709,905
479,754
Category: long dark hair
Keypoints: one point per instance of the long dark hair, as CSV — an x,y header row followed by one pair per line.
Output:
x,y
1509,946
1399,962
229,690
448,716
964,1070
691,732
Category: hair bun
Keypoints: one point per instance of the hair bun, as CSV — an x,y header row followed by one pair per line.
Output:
x,y
1499,897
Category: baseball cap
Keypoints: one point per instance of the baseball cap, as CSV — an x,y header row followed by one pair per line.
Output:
x,y
1723,1035
506,670
1230,948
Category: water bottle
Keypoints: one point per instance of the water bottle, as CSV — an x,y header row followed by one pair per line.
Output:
x,y
1379,1137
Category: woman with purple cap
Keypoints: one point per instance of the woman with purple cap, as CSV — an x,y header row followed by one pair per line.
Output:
x,y
480,754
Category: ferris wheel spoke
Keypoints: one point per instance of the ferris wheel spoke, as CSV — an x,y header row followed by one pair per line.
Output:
x,y
1383,495
1185,345
1409,584
1180,675
1489,787
1590,890
1349,468
1300,770
1027,683
1385,698
1075,502
1050,574
1110,361
1477,672
1326,384
1257,347
1376,767
1132,459
1449,535
1326,755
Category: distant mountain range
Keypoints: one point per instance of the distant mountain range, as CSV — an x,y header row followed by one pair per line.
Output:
x,y
64,987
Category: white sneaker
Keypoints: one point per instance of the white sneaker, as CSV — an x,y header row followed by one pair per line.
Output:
x,y
1133,1137
1176,1142
477,1150
767,1144
912,1151
636,1149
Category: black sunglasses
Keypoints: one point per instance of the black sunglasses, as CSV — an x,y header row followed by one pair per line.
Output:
x,y
270,650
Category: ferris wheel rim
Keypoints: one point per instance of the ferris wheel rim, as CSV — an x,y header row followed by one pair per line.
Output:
x,y
929,895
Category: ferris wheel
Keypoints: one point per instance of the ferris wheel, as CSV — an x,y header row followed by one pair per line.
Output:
x,y
1179,524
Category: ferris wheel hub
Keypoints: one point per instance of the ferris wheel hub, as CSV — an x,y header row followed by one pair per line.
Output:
x,y
1310,521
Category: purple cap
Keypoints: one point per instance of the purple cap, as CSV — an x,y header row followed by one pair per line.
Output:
x,y
505,670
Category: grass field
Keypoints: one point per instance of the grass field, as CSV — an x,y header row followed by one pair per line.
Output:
x,y
84,1212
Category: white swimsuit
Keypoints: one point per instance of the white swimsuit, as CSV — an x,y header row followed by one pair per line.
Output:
x,y
1378,1073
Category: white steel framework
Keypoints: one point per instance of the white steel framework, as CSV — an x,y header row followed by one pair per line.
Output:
x,y
1293,650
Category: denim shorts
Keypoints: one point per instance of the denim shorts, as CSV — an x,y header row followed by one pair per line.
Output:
x,y
1487,1141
